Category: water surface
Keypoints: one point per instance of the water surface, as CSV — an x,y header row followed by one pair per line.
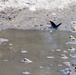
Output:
x,y
38,45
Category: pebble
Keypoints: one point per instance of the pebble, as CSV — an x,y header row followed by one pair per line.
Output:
x,y
54,14
73,42
50,57
40,66
63,56
2,40
25,73
32,8
73,55
58,50
10,44
65,71
25,60
52,50
23,51
64,51
66,63
72,49
5,60
60,65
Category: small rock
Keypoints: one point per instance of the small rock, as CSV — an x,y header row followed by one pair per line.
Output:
x,y
32,8
52,50
64,51
5,60
58,50
73,55
67,63
26,73
23,51
50,57
2,40
40,66
54,14
59,64
10,44
25,60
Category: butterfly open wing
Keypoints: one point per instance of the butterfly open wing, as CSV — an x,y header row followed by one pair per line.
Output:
x,y
53,24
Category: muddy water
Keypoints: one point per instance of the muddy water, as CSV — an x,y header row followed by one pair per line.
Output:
x,y
38,45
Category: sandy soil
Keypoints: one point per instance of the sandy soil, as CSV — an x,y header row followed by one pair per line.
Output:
x,y
26,19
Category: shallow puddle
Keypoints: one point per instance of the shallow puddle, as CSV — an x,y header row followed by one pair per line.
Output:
x,y
41,47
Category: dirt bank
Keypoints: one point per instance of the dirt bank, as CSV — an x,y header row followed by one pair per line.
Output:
x,y
26,19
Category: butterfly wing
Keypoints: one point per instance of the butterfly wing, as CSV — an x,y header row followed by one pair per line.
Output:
x,y
53,24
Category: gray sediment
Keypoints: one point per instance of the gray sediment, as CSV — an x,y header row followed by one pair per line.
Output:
x,y
26,19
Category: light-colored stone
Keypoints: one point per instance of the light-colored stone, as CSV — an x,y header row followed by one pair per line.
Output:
x,y
39,4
